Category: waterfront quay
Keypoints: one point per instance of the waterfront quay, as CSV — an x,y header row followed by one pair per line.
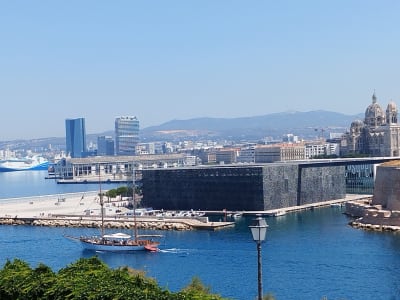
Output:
x,y
291,209
83,210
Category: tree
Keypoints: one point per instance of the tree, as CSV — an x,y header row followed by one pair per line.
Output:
x,y
88,278
122,190
12,278
111,194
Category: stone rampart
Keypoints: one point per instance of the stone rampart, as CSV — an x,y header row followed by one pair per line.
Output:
x,y
387,186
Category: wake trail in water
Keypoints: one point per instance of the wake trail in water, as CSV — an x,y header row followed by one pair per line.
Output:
x,y
175,251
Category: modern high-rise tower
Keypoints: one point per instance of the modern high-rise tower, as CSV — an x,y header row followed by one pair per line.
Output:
x,y
75,134
126,135
105,145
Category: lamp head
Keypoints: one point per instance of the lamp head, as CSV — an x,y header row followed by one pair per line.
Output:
x,y
259,229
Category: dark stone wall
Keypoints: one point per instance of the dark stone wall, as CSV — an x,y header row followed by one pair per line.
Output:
x,y
280,186
216,188
321,184
248,188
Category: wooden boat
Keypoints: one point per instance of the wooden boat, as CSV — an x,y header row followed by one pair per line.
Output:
x,y
118,242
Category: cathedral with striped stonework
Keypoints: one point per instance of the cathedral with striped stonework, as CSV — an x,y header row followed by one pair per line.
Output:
x,y
377,135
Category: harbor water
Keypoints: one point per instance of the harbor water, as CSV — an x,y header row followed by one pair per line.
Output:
x,y
307,255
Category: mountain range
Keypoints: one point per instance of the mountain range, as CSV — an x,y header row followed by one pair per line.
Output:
x,y
303,124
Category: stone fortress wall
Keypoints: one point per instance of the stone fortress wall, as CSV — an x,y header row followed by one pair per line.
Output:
x,y
387,186
382,211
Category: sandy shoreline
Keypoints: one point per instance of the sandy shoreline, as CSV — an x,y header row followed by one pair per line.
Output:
x,y
49,205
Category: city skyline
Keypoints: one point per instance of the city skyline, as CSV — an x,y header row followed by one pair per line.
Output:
x,y
162,61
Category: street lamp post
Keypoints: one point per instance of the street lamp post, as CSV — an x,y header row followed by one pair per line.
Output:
x,y
259,230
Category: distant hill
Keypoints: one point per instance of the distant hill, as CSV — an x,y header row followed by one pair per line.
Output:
x,y
303,124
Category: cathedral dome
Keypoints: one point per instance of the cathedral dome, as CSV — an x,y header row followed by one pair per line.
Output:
x,y
357,123
356,127
374,114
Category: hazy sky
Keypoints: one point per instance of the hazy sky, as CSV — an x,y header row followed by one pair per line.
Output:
x,y
164,60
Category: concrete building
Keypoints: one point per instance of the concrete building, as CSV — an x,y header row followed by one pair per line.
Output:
x,y
206,156
145,148
226,155
126,135
75,133
279,152
111,168
246,155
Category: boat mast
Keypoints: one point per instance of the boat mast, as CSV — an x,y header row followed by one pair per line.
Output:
x,y
134,202
101,207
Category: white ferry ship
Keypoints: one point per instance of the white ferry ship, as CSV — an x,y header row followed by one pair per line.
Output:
x,y
23,164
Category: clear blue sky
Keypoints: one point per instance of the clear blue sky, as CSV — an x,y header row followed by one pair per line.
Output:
x,y
164,60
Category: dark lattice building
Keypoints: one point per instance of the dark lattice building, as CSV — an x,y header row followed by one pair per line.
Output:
x,y
252,187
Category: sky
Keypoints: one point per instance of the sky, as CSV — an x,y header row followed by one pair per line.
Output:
x,y
166,60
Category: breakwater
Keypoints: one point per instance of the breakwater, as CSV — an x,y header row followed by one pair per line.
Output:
x,y
144,223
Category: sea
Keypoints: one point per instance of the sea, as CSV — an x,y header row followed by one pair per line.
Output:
x,y
311,254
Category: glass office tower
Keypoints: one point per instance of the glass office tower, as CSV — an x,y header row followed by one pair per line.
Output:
x,y
126,135
75,134
105,145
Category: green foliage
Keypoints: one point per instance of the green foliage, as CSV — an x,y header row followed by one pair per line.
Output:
x,y
88,278
122,190
268,296
19,281
111,193
197,290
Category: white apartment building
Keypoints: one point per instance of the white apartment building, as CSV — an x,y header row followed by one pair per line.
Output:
x,y
317,149
279,152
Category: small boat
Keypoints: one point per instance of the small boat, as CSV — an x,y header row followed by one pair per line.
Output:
x,y
118,242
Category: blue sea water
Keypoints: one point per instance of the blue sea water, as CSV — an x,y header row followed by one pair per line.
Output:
x,y
307,255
